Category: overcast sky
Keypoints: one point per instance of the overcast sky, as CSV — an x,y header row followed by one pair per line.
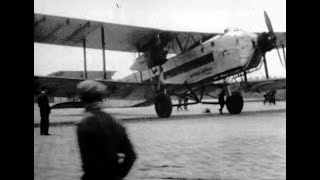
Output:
x,y
178,15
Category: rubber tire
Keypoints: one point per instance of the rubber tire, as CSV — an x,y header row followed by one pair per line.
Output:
x,y
234,103
163,105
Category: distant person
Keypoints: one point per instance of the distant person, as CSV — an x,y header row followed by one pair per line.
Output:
x,y
271,97
105,149
179,104
185,103
45,110
221,101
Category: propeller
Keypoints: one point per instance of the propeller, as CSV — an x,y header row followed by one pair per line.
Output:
x,y
272,35
268,23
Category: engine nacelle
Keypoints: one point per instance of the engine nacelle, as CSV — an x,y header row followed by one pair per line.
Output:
x,y
266,42
154,53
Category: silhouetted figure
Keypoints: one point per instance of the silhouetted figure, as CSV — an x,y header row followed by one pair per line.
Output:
x,y
179,104
106,151
221,101
45,109
185,103
271,97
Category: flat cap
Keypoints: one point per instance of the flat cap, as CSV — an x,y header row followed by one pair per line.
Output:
x,y
91,91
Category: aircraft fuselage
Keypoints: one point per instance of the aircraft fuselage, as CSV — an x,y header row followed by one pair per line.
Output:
x,y
222,54
218,55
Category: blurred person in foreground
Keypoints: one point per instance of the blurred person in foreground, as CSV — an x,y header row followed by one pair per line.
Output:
x,y
106,151
45,110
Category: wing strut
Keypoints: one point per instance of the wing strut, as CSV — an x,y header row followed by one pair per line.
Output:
x,y
85,58
141,78
185,46
245,76
178,41
134,74
265,65
192,94
103,53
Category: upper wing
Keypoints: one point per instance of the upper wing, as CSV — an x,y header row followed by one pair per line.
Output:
x,y
71,32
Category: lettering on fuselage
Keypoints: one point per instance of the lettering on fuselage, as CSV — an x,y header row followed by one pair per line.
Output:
x,y
206,70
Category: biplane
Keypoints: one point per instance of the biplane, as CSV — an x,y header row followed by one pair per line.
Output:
x,y
170,64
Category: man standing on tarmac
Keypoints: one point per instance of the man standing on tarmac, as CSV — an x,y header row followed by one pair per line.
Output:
x,y
44,112
185,103
221,100
105,148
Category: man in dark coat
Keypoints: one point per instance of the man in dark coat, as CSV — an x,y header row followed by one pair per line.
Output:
x,y
105,148
44,112
221,100
185,101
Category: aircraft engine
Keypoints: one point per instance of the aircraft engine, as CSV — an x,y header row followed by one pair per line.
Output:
x,y
156,56
154,53
148,60
266,42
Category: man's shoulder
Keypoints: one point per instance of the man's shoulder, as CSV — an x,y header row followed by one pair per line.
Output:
x,y
97,117
109,121
87,117
88,122
41,96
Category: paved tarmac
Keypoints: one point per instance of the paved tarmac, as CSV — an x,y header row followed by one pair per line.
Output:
x,y
71,116
189,145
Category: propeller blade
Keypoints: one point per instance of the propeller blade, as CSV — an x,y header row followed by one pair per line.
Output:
x,y
284,55
268,23
279,55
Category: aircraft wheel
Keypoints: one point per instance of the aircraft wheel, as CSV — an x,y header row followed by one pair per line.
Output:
x,y
163,105
234,103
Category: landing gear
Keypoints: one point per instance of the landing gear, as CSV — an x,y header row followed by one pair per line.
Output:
x,y
163,105
234,103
